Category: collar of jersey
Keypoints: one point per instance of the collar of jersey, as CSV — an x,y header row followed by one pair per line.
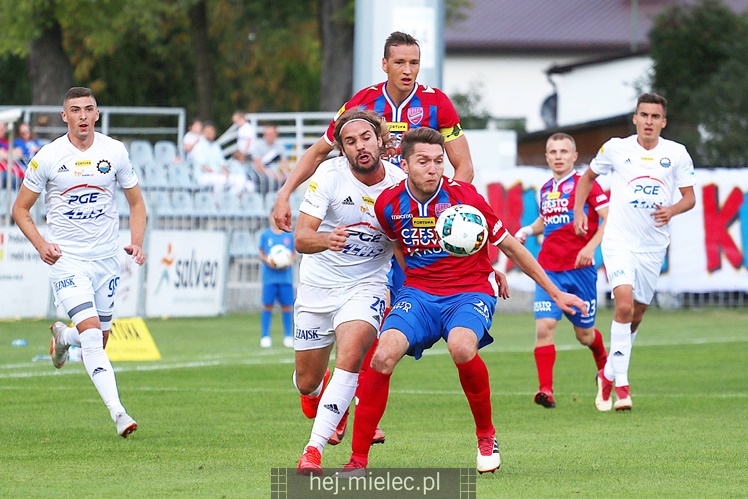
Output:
x,y
397,111
423,208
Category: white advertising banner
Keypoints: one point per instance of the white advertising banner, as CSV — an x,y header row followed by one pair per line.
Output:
x,y
23,277
186,273
708,245
129,287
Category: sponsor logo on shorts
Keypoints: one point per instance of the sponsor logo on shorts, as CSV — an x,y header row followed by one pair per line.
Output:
x,y
542,306
480,307
66,282
616,273
307,334
403,305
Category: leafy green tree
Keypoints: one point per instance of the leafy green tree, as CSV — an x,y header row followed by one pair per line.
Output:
x,y
699,53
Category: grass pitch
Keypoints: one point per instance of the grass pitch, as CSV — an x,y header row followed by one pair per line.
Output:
x,y
218,412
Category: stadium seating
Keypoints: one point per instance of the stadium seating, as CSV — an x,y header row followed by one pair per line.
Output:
x,y
205,204
253,205
141,152
155,175
180,176
243,244
165,152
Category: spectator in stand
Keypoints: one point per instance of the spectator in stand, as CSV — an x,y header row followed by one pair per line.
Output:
x,y
211,166
26,142
269,159
245,135
17,171
192,137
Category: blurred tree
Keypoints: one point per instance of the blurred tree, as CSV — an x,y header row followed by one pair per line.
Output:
x,y
336,19
699,53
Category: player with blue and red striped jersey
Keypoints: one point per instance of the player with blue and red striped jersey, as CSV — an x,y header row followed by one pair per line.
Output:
x,y
567,258
444,296
404,104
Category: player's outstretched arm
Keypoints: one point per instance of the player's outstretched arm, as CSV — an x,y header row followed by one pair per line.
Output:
x,y
458,153
308,240
48,252
524,260
584,186
304,169
529,230
137,224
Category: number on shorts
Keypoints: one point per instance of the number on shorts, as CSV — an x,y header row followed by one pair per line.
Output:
x,y
113,287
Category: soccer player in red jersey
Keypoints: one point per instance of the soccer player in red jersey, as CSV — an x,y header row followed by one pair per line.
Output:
x,y
404,104
444,296
567,258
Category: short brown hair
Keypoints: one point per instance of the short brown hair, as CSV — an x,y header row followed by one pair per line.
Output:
x,y
398,38
421,135
372,117
76,92
562,136
652,98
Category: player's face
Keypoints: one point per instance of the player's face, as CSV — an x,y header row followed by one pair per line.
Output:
x,y
649,120
81,114
560,155
361,145
425,167
402,67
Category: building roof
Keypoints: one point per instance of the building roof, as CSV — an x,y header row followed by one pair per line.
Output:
x,y
558,25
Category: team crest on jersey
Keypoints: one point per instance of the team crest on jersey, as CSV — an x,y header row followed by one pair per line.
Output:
x,y
104,166
440,207
665,162
415,115
567,187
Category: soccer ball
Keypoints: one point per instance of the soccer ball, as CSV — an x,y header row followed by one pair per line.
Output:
x,y
280,256
462,230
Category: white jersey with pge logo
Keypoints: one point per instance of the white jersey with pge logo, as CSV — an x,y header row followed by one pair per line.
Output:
x,y
336,197
641,179
81,214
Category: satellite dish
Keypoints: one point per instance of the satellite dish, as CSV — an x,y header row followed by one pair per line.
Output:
x,y
548,111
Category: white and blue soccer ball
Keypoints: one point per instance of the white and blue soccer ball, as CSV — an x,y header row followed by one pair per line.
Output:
x,y
462,230
281,256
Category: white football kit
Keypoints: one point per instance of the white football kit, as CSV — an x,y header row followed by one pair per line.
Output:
x,y
336,287
641,180
82,219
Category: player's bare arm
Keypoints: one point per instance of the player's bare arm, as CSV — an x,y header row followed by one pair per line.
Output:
x,y
48,252
586,255
584,186
458,153
524,260
137,224
503,285
304,169
308,240
664,214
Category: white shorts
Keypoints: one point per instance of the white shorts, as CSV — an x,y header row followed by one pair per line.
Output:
x,y
639,270
86,288
319,311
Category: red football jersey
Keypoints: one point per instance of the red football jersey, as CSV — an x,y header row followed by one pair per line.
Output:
x,y
413,224
424,107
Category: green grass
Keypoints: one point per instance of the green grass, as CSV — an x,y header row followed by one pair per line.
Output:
x,y
218,412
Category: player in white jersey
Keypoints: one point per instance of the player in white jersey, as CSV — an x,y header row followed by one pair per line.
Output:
x,y
647,171
80,172
343,275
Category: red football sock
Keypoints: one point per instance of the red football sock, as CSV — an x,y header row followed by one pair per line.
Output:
x,y
366,364
373,389
545,358
474,381
598,350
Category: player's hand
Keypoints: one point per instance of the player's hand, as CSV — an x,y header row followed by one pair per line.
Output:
x,y
580,223
662,216
337,238
566,300
137,253
282,214
585,258
503,285
50,253
521,235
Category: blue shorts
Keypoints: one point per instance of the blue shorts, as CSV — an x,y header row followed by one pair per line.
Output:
x,y
395,279
424,318
581,282
282,292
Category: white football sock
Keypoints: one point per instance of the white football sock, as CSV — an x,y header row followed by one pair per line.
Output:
x,y
71,337
100,370
312,393
333,404
619,354
633,337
